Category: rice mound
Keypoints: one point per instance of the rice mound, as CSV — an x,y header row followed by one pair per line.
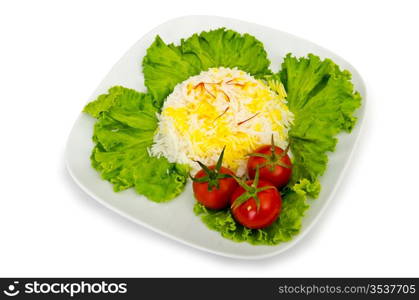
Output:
x,y
221,107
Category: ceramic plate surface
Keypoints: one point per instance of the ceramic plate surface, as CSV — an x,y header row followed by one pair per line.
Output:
x,y
176,218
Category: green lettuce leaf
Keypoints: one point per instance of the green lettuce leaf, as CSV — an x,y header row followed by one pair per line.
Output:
x,y
164,66
229,49
323,100
123,133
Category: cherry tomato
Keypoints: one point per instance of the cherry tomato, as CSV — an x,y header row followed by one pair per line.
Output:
x,y
214,197
275,166
245,208
214,185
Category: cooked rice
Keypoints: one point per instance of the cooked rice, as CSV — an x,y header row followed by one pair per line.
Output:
x,y
220,107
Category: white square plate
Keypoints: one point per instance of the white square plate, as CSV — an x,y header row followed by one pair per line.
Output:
x,y
176,218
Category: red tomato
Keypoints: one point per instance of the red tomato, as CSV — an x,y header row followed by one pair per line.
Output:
x,y
214,197
275,167
248,214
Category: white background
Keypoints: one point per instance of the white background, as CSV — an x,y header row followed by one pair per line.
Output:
x,y
52,56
